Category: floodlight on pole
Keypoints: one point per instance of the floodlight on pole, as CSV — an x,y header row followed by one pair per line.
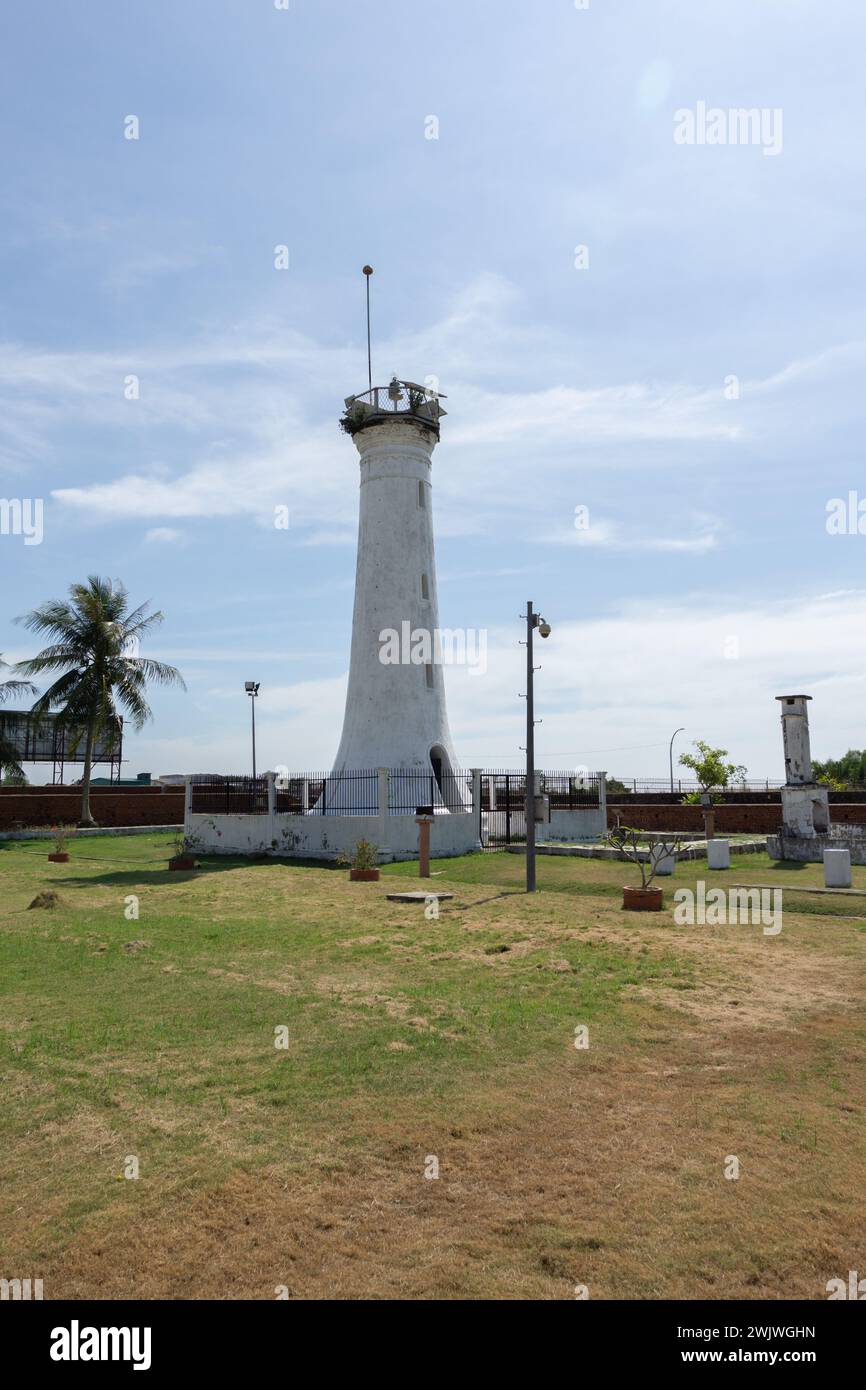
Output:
x,y
252,689
533,620
671,753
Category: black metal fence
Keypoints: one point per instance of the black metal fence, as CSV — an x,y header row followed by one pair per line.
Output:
x,y
354,793
568,792
503,808
230,796
409,789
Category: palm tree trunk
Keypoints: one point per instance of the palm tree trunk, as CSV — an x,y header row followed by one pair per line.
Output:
x,y
86,817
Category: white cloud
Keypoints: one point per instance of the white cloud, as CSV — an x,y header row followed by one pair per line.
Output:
x,y
602,534
610,691
257,443
163,535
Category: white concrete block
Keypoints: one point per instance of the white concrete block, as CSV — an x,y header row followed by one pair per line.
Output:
x,y
718,854
666,866
837,868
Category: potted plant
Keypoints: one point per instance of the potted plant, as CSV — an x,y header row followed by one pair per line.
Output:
x,y
362,863
60,834
181,859
629,842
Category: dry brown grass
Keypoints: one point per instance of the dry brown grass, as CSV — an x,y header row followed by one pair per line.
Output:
x,y
602,1168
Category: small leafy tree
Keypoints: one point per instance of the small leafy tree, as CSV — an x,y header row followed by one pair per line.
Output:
x,y
363,856
630,843
711,768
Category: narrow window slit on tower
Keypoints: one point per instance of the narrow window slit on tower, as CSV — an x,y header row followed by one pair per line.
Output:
x,y
425,587
428,672
422,499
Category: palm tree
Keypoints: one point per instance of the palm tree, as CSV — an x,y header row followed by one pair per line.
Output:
x,y
95,641
8,751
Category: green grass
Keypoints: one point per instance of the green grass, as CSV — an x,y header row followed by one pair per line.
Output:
x,y
605,878
185,1025
166,1050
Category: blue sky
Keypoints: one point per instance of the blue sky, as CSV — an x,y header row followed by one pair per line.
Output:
x,y
706,582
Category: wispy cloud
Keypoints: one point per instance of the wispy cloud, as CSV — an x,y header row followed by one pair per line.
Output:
x,y
261,445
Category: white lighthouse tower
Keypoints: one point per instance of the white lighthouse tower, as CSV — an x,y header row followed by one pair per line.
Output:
x,y
395,703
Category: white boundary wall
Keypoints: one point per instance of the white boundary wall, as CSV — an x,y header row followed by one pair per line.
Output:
x,y
590,823
395,836
326,837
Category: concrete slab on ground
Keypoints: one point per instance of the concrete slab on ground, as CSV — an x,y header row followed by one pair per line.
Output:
x,y
417,897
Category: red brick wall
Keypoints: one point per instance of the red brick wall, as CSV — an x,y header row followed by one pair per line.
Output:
x,y
34,807
744,819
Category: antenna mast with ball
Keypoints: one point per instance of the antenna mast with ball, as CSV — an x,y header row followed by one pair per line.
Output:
x,y
368,271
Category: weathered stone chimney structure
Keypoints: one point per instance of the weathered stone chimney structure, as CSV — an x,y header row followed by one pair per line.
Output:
x,y
805,805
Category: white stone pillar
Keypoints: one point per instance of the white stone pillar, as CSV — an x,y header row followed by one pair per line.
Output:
x,y
305,795
477,808
271,780
602,800
718,854
384,787
837,868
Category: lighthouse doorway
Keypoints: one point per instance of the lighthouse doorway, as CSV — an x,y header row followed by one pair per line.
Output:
x,y
440,766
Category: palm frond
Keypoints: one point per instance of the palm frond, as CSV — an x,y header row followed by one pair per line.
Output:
x,y
159,672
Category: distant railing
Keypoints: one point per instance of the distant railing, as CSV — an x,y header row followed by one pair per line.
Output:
x,y
409,789
685,785
230,796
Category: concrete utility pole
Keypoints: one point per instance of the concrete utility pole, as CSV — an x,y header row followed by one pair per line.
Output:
x,y
533,620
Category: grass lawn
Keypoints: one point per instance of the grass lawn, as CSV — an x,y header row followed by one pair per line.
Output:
x,y
410,1040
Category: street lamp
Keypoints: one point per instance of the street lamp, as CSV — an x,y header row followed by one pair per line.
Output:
x,y
533,620
671,753
252,689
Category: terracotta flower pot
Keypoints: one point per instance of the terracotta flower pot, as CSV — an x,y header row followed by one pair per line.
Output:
x,y
182,861
364,875
61,857
642,899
